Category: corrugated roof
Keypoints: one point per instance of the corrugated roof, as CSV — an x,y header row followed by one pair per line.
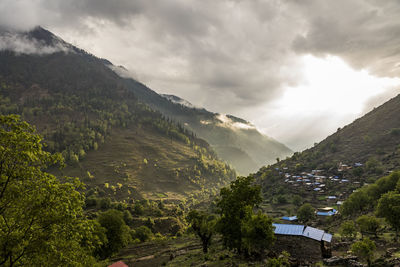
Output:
x,y
313,233
301,230
293,218
327,237
288,229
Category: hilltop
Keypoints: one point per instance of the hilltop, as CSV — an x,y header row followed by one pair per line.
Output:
x,y
118,145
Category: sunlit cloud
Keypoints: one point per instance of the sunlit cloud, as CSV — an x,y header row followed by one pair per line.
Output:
x,y
332,93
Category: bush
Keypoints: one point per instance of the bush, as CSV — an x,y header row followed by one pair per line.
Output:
x,y
348,230
364,249
143,233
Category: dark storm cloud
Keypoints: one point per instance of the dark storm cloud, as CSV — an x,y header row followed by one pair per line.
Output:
x,y
228,46
230,56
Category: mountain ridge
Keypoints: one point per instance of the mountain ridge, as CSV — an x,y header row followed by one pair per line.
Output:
x,y
84,110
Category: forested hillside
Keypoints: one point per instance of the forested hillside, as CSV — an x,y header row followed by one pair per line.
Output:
x,y
235,140
86,112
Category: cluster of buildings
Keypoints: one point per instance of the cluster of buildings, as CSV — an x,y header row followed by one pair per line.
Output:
x,y
321,183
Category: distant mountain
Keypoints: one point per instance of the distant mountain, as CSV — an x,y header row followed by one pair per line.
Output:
x,y
235,140
118,145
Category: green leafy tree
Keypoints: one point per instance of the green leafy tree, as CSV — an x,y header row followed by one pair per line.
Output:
x,y
368,224
235,206
117,231
389,208
41,219
364,249
258,234
305,213
348,230
143,233
357,202
203,225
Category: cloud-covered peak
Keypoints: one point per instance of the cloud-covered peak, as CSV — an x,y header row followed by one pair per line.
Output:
x,y
37,41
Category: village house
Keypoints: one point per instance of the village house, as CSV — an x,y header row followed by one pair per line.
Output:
x,y
302,242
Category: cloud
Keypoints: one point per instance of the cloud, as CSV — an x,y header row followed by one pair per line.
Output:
x,y
204,47
21,44
230,56
364,33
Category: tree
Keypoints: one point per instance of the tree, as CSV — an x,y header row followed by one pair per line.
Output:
x,y
364,249
117,231
389,208
235,206
143,233
357,202
203,224
41,218
258,234
305,213
368,224
348,229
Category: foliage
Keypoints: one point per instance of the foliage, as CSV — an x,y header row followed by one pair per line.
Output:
x,y
357,202
258,234
305,213
117,232
203,224
389,208
41,219
368,224
143,233
348,229
282,260
364,249
235,206
366,197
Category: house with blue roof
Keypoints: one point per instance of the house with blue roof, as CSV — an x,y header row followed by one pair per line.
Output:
x,y
302,242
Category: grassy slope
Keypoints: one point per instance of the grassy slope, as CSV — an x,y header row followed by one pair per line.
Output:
x,y
372,135
121,160
252,149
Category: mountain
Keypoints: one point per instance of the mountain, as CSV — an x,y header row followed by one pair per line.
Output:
x,y
119,146
355,155
235,140
376,135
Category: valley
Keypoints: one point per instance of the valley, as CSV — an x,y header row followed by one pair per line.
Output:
x,y
152,180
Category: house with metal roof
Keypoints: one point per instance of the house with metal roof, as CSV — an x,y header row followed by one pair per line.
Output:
x,y
290,219
302,241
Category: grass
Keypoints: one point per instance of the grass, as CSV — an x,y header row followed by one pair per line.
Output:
x,y
121,160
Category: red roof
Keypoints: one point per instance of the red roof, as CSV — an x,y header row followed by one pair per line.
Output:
x,y
118,264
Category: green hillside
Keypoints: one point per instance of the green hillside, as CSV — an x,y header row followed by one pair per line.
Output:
x,y
235,140
356,154
86,112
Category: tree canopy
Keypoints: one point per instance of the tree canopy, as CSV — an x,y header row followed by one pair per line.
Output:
x,y
41,218
305,213
389,208
241,230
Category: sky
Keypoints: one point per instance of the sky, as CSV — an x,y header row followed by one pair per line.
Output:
x,y
298,70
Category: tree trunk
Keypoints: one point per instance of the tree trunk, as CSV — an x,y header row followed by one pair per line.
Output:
x,y
205,246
